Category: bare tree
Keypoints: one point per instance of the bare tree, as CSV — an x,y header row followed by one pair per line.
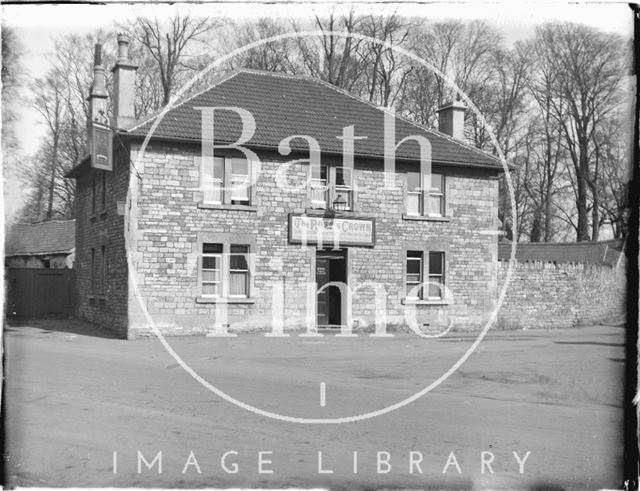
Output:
x,y
168,46
589,66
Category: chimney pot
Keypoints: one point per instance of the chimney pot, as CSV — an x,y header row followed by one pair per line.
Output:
x,y
97,55
123,47
451,119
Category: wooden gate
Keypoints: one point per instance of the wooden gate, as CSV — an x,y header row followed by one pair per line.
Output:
x,y
40,292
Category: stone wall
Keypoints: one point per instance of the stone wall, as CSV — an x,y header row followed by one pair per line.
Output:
x,y
56,261
103,228
168,227
548,295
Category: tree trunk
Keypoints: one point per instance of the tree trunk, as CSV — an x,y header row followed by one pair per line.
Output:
x,y
52,178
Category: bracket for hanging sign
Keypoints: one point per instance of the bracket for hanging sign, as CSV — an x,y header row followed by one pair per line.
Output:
x,y
101,148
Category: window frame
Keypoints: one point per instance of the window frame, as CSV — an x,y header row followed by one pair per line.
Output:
x,y
437,246
220,282
103,191
342,188
103,269
245,272
225,183
425,195
318,183
441,275
93,271
330,187
94,199
226,240
440,194
420,257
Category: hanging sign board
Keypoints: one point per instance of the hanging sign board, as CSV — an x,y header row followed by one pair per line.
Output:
x,y
331,231
101,149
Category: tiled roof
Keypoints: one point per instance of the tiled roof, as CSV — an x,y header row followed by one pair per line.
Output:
x,y
605,252
285,105
25,239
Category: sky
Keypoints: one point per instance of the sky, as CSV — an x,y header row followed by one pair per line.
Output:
x,y
37,25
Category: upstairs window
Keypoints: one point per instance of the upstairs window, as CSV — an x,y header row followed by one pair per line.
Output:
x,y
103,190
213,180
94,192
329,183
436,196
240,181
414,194
98,191
226,181
319,187
344,185
430,203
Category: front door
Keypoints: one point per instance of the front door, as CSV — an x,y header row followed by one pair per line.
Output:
x,y
331,267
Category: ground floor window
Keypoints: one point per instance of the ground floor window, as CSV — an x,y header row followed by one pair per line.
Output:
x,y
414,274
211,269
436,275
424,267
222,277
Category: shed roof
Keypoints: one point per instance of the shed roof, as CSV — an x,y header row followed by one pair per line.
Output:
x,y
285,105
605,252
26,239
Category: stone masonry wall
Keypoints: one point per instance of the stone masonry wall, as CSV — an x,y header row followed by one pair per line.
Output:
x,y
547,295
94,230
168,228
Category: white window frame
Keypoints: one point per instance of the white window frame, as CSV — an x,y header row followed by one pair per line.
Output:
x,y
420,280
424,198
344,188
440,195
441,275
220,282
320,185
240,180
247,272
209,184
226,184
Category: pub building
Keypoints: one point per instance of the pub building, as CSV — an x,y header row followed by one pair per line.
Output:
x,y
282,216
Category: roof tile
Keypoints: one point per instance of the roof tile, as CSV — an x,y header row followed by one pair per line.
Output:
x,y
286,105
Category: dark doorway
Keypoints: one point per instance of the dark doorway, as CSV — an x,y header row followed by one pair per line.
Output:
x,y
331,266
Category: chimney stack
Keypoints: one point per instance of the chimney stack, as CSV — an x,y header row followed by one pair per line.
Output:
x,y
98,95
451,119
124,85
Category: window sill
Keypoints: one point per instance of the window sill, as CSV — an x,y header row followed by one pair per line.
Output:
x,y
96,214
213,206
98,297
227,300
424,218
420,301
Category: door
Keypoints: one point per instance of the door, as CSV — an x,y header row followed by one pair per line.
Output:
x,y
41,292
331,267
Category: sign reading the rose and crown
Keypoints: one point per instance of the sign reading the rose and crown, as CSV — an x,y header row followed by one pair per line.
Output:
x,y
331,232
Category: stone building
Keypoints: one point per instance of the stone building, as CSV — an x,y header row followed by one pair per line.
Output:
x,y
41,245
285,215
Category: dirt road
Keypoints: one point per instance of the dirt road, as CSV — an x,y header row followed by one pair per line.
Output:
x,y
86,410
